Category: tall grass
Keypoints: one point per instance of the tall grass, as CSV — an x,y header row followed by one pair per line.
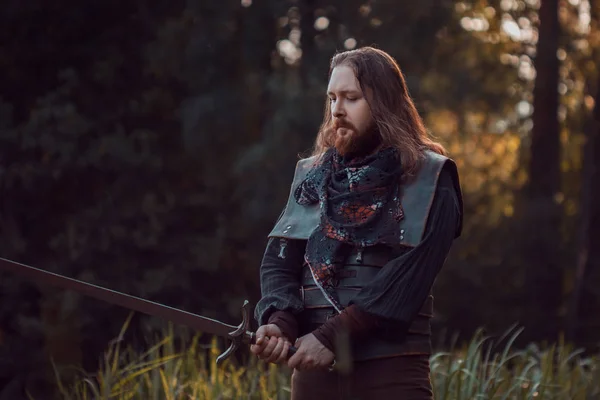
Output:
x,y
164,372
481,369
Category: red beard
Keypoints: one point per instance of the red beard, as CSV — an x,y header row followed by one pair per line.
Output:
x,y
350,142
346,137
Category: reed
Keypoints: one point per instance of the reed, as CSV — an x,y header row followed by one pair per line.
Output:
x,y
484,368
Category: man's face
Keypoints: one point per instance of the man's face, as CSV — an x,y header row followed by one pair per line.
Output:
x,y
350,112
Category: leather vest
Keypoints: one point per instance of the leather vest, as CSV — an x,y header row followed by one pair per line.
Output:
x,y
298,222
416,196
361,267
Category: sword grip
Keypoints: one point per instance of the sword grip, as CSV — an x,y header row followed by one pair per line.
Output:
x,y
291,351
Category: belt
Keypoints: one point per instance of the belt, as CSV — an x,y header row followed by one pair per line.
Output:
x,y
349,276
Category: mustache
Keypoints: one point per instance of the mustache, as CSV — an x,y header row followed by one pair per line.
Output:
x,y
341,123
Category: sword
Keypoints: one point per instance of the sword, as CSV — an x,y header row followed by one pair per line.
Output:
x,y
238,335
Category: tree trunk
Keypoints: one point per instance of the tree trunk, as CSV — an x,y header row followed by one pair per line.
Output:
x,y
307,43
589,217
541,214
592,267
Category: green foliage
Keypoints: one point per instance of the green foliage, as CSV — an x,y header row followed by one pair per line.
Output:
x,y
167,372
481,369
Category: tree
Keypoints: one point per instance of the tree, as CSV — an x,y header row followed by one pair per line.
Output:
x,y
540,214
584,303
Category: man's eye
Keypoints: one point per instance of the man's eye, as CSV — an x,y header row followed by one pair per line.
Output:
x,y
351,98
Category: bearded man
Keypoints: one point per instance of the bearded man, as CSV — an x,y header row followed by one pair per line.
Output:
x,y
369,222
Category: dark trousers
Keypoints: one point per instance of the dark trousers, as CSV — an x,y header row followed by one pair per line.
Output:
x,y
397,378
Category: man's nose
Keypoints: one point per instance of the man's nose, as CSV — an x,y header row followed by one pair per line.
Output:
x,y
338,110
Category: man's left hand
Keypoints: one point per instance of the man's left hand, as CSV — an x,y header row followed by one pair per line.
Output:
x,y
311,354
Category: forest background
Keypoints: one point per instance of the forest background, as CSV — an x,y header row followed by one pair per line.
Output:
x,y
148,147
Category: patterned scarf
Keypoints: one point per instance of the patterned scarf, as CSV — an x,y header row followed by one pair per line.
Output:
x,y
359,206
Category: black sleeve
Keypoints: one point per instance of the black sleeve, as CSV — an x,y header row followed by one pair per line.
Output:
x,y
398,291
280,274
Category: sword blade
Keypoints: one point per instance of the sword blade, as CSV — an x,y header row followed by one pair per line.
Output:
x,y
198,322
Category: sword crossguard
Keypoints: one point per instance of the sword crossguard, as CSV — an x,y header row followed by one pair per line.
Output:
x,y
240,335
243,335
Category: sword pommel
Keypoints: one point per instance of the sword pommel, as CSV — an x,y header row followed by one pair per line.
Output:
x,y
241,335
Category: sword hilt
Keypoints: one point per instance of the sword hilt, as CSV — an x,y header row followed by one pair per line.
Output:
x,y
240,335
243,335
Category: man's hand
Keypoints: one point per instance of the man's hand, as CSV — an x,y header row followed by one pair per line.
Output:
x,y
271,346
311,354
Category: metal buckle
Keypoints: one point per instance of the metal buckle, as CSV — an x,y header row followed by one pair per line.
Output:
x,y
332,366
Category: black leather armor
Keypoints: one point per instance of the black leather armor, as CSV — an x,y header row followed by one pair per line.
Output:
x,y
360,267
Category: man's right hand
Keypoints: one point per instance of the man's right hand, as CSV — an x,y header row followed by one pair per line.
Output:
x,y
271,346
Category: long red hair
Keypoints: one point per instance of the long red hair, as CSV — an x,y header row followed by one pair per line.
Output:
x,y
398,121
